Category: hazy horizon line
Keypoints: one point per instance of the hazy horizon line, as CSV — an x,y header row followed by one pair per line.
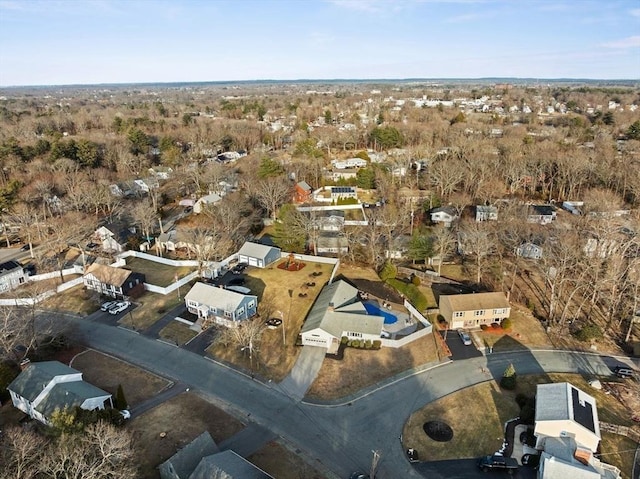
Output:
x,y
328,80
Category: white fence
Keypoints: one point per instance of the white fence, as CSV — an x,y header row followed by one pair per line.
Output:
x,y
159,259
173,286
398,343
418,315
53,274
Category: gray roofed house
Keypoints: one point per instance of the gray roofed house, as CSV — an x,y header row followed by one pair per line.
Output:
x,y
12,275
338,312
227,465
219,305
564,410
43,387
186,460
256,254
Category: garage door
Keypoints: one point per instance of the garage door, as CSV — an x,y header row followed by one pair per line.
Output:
x,y
253,262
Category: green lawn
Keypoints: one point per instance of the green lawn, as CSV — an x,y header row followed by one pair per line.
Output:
x,y
157,273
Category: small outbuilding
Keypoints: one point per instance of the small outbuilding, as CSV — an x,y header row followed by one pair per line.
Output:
x,y
260,255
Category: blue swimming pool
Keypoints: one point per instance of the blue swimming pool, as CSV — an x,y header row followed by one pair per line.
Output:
x,y
375,310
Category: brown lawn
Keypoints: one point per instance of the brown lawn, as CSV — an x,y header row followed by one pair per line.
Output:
x,y
74,300
177,333
107,373
279,295
526,331
361,368
282,463
152,306
182,419
477,416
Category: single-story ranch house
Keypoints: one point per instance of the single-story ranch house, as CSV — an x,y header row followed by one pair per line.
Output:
x,y
255,254
219,305
115,282
472,310
43,387
338,312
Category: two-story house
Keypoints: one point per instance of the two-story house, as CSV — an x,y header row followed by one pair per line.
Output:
x,y
302,192
44,387
486,213
220,306
541,214
472,310
445,215
115,282
12,275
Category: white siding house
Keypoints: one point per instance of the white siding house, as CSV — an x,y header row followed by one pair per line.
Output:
x,y
44,387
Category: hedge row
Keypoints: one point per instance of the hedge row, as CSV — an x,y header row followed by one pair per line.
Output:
x,y
361,343
411,292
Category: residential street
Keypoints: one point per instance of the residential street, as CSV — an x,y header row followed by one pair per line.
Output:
x,y
339,436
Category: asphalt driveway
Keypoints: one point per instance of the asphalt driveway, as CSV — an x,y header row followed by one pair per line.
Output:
x,y
457,348
466,469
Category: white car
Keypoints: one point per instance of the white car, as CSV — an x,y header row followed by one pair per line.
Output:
x,y
108,305
119,307
466,339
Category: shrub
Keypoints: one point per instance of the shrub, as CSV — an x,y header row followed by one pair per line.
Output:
x,y
367,344
507,323
588,333
388,271
508,380
377,343
484,327
415,280
344,340
496,326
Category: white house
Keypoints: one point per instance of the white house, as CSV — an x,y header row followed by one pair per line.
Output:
x,y
444,214
340,192
529,250
107,240
486,213
331,243
541,214
210,199
43,387
219,305
338,312
562,410
348,163
12,275
260,255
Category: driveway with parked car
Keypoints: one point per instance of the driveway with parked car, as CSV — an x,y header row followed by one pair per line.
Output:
x,y
457,347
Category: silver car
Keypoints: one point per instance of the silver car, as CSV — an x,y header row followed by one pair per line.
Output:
x,y
466,339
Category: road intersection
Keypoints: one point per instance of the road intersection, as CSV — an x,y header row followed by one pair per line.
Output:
x,y
338,437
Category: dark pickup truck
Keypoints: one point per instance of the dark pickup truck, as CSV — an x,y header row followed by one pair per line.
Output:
x,y
498,463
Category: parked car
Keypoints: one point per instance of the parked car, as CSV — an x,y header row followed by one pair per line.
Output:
x,y
624,372
497,463
239,268
119,307
273,323
466,339
108,305
531,460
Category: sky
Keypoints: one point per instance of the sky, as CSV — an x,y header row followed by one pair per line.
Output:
x,y
55,42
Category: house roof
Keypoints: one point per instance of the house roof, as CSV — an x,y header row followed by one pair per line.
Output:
x,y
186,460
68,395
554,468
487,208
108,274
543,210
303,185
9,266
215,297
210,198
256,250
563,401
337,309
35,378
450,210
228,465
475,301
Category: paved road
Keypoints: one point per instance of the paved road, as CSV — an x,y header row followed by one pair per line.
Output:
x,y
338,436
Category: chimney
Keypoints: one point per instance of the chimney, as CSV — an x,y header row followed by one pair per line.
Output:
x,y
25,363
330,308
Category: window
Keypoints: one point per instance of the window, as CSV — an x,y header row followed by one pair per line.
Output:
x,y
251,304
354,335
228,314
500,311
479,312
458,314
240,310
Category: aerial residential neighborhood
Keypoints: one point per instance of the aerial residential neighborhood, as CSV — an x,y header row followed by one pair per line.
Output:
x,y
420,259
